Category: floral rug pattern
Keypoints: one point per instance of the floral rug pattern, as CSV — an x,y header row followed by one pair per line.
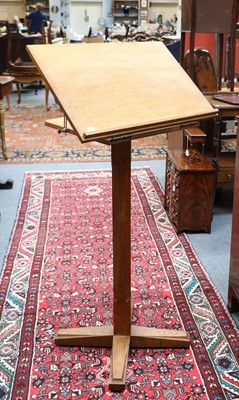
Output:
x,y
30,141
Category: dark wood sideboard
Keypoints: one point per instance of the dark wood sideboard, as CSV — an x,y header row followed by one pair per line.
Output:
x,y
233,291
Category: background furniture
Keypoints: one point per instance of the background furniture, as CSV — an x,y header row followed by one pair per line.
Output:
x,y
224,162
214,128
221,20
93,39
233,291
204,75
189,189
22,71
126,12
198,64
5,88
120,79
17,48
194,144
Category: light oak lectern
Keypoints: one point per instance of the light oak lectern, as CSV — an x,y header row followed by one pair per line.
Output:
x,y
114,93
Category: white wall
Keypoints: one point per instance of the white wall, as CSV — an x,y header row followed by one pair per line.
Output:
x,y
8,9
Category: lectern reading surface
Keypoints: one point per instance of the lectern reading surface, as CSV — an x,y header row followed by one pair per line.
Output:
x,y
114,93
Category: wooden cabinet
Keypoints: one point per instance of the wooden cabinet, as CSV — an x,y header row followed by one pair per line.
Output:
x,y
189,189
126,12
233,292
223,161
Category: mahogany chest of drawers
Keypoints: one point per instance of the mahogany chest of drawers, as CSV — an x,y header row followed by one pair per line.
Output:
x,y
189,192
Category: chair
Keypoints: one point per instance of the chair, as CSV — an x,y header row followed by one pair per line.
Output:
x,y
222,21
22,71
47,33
204,75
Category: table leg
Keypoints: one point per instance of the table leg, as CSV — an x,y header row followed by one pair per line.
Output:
x,y
18,92
47,98
121,336
8,102
2,130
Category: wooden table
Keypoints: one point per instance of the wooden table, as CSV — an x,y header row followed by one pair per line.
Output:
x,y
21,76
114,93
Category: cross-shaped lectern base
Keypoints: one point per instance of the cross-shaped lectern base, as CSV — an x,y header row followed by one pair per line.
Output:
x,y
140,337
121,336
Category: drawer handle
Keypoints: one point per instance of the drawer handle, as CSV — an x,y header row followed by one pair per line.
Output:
x,y
230,177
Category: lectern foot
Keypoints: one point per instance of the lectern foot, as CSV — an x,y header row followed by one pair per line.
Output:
x,y
101,336
142,337
119,360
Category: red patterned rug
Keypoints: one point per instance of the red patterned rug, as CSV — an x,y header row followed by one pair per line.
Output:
x,y
58,273
30,141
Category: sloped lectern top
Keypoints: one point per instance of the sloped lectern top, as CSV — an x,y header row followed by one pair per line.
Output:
x,y
111,89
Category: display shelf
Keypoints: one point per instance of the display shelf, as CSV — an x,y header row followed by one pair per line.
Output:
x,y
126,12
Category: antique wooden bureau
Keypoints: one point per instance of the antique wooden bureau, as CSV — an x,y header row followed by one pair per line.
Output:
x,y
189,189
